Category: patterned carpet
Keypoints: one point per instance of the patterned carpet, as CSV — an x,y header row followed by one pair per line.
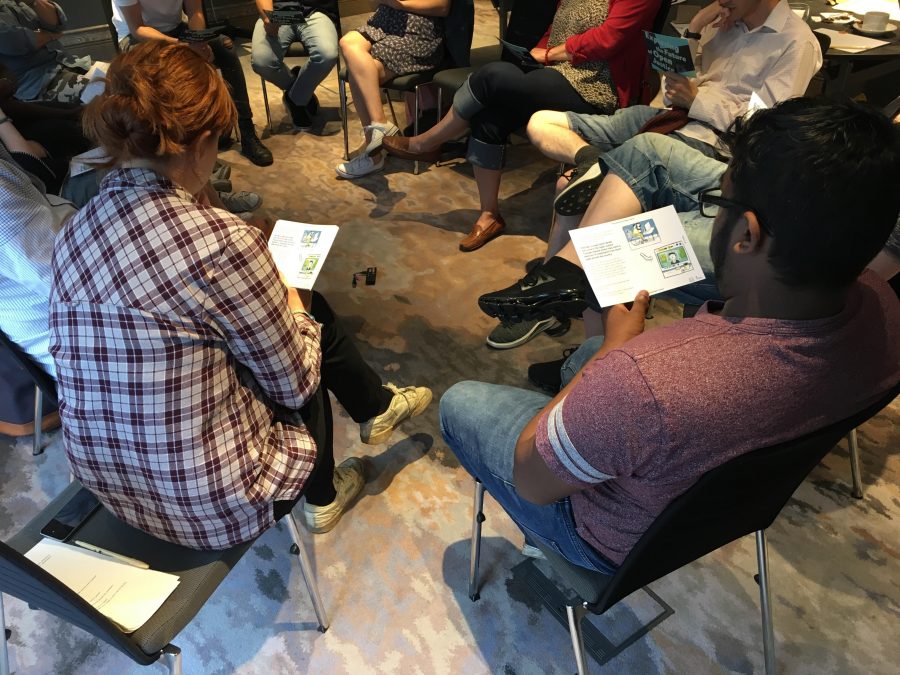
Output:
x,y
393,573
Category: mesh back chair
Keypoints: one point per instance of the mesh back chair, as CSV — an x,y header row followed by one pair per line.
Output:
x,y
200,571
725,504
458,29
44,386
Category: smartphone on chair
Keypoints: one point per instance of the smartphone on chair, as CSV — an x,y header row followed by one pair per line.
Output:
x,y
71,516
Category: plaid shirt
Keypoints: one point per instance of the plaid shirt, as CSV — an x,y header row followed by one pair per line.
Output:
x,y
156,305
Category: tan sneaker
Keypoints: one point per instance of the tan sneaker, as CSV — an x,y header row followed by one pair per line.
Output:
x,y
349,479
407,402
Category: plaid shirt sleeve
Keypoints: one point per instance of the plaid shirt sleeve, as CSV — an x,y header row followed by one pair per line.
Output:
x,y
249,304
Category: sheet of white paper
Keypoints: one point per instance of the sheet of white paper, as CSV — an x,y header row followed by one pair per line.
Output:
x,y
300,249
756,103
127,595
850,42
649,251
85,162
96,85
862,6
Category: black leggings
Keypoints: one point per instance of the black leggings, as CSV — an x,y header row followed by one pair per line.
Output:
x,y
354,384
511,96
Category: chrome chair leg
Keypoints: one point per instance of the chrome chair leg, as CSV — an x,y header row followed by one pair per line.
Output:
x,y
342,95
387,95
308,575
765,601
852,443
172,656
576,614
475,553
650,309
416,127
36,448
4,653
265,94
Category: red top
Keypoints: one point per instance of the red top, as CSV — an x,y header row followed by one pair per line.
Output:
x,y
618,41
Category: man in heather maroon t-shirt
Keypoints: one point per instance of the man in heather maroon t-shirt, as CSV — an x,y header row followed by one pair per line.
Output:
x,y
804,338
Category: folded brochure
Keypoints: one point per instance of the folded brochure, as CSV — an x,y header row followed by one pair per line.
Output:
x,y
648,252
125,594
300,249
670,54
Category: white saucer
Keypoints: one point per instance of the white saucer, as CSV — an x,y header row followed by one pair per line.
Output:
x,y
891,27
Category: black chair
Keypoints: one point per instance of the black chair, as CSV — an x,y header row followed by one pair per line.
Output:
x,y
108,14
200,571
295,50
743,495
44,386
458,29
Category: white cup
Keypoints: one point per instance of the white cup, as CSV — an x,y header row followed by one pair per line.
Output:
x,y
875,22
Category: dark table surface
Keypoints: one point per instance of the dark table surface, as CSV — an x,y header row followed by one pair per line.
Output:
x,y
888,51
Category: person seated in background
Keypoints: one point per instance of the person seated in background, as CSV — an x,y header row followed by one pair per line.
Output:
x,y
30,49
400,38
29,221
745,47
55,125
751,46
141,20
271,40
804,338
594,53
185,366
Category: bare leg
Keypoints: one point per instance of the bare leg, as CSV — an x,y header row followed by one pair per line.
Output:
x,y
488,182
450,127
614,200
366,76
549,131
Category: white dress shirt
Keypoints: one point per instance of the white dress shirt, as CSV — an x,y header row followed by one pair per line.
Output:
x,y
776,60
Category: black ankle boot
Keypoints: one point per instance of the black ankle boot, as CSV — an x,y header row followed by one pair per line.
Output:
x,y
252,148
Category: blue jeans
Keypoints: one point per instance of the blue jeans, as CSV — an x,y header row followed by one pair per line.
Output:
x,y
481,423
609,131
663,171
317,33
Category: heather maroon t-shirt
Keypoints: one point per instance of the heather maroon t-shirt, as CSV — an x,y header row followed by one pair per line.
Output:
x,y
647,420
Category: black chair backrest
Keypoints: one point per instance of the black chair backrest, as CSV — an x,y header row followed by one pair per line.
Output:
x,y
741,496
21,578
662,14
41,378
108,13
824,42
459,27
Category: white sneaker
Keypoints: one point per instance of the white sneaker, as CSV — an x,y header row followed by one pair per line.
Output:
x,y
379,131
349,479
359,166
407,402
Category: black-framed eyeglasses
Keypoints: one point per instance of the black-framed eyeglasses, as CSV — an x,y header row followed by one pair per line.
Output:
x,y
713,197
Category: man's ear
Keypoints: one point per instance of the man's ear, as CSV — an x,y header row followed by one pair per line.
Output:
x,y
750,239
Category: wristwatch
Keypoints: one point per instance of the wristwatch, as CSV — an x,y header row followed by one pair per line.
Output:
x,y
690,35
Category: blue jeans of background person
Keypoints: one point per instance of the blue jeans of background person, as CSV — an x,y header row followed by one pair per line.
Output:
x,y
481,423
663,171
317,33
609,131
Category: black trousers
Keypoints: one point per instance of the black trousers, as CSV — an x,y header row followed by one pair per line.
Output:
x,y
227,61
354,384
512,95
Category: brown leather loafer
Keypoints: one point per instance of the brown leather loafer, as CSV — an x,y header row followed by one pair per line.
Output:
x,y
478,238
398,146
